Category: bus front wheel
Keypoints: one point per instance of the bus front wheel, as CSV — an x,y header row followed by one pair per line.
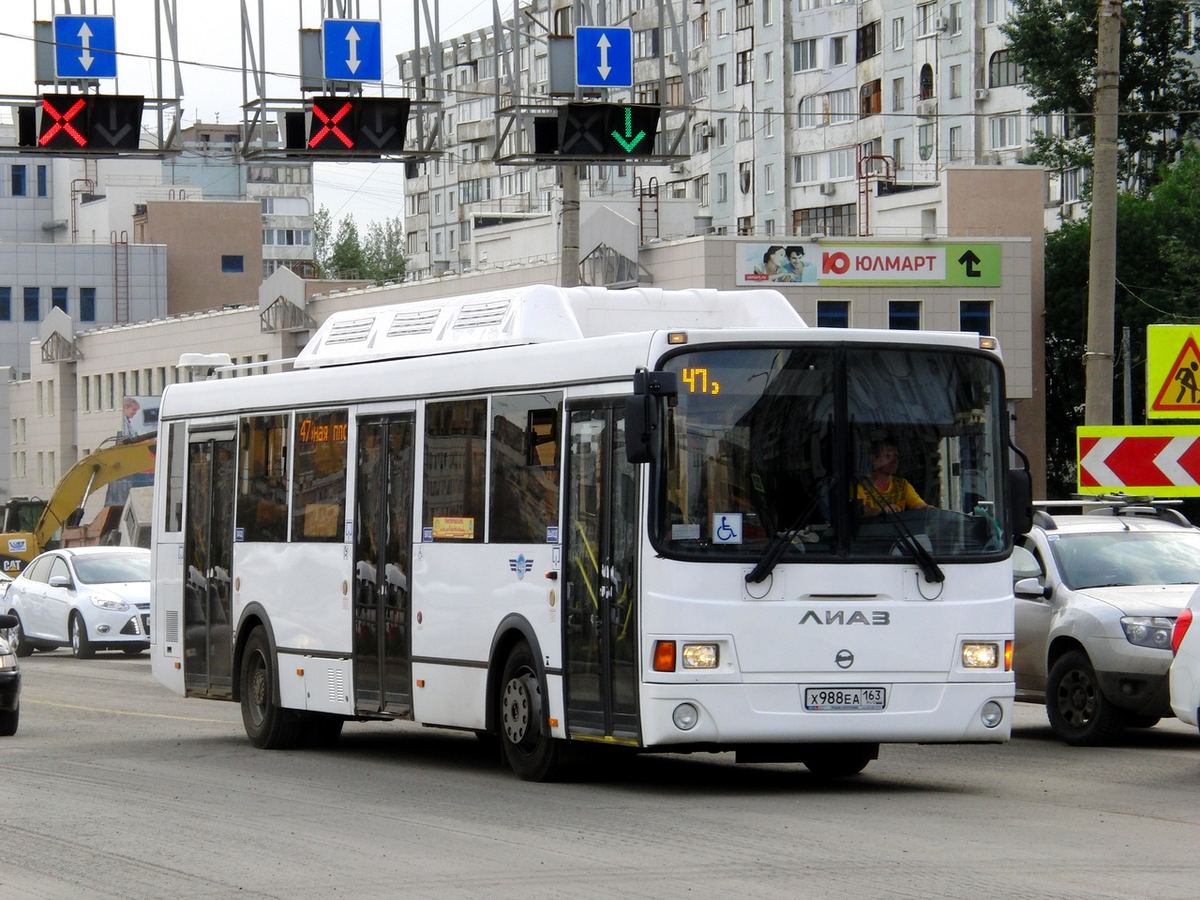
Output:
x,y
524,731
268,726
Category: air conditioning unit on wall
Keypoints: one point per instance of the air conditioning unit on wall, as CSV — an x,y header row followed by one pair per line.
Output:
x,y
982,93
827,187
926,109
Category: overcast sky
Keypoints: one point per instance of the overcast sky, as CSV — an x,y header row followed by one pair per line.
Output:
x,y
210,55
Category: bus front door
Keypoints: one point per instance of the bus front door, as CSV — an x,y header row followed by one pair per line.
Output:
x,y
208,552
382,551
600,577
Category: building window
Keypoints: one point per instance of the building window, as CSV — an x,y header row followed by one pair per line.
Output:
x,y
1006,131
898,33
868,42
232,263
33,302
926,135
898,152
955,142
804,55
5,304
745,125
828,220
58,298
927,82
833,313
43,187
807,168
18,181
975,315
746,177
1003,70
956,20
840,105
87,304
841,163
745,67
926,16
722,187
745,225
870,99
837,51
904,315
808,113
897,95
955,81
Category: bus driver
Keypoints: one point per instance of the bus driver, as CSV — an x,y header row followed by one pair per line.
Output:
x,y
895,492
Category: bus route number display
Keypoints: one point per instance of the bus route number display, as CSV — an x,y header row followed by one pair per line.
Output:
x,y
698,382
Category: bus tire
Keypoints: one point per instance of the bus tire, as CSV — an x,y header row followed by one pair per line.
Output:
x,y
268,726
840,760
322,730
524,732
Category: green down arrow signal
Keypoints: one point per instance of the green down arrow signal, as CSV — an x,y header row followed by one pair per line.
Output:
x,y
629,141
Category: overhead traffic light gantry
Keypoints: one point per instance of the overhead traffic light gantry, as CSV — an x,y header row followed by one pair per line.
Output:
x,y
599,131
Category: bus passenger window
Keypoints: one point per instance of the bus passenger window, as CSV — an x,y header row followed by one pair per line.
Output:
x,y
455,472
525,468
262,479
319,481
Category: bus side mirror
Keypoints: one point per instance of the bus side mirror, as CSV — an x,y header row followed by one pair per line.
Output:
x,y
644,412
1020,500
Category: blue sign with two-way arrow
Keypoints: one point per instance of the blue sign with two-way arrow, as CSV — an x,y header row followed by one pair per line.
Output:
x,y
85,47
352,50
603,57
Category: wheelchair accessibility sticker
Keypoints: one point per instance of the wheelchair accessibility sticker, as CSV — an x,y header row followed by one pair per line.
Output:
x,y
727,528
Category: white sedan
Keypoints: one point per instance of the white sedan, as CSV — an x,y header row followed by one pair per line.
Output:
x,y
93,598
1185,668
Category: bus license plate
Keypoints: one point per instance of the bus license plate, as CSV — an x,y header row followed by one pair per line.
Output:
x,y
840,699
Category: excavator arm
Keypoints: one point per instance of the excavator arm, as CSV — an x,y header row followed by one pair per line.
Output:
x,y
65,507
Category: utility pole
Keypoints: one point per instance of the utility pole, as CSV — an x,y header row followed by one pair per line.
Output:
x,y
1102,268
568,259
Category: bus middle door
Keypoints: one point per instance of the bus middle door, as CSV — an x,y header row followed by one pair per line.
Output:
x,y
382,552
600,576
208,556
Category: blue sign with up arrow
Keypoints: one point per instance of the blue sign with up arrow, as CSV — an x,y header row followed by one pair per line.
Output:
x,y
85,47
603,57
352,50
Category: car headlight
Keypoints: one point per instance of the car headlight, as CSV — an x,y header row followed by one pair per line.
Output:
x,y
115,604
1148,631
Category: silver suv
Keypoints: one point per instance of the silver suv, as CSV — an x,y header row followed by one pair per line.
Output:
x,y
1096,597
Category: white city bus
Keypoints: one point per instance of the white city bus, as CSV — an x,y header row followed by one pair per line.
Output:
x,y
586,515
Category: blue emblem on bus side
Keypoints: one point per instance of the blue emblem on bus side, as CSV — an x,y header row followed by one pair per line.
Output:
x,y
521,566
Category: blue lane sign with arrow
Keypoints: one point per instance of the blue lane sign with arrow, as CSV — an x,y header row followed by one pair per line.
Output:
x,y
352,50
603,57
85,47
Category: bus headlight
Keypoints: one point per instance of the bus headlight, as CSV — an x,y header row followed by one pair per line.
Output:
x,y
980,655
700,656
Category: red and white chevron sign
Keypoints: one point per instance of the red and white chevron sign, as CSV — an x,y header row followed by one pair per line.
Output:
x,y
1161,461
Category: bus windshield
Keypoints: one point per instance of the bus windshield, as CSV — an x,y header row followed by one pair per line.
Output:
x,y
840,452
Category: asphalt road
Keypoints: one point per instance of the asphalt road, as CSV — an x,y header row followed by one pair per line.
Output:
x,y
116,789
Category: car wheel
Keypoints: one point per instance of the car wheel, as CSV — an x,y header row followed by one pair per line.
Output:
x,y
20,643
530,751
268,726
81,647
1079,712
8,722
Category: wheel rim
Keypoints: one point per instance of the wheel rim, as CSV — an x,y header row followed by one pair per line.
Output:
x,y
257,688
521,710
75,635
1078,698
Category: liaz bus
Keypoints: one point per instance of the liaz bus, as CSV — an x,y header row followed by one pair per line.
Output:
x,y
555,516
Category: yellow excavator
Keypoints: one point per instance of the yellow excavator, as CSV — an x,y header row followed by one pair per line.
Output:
x,y
24,538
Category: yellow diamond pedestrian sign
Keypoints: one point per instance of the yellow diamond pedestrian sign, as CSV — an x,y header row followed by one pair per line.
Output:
x,y
1173,372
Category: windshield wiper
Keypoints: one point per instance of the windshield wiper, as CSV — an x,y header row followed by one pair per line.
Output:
x,y
783,539
932,572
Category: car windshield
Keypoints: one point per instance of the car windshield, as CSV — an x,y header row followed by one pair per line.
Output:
x,y
113,569
1122,558
769,451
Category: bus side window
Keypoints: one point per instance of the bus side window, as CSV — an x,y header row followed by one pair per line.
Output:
x,y
525,468
319,479
455,473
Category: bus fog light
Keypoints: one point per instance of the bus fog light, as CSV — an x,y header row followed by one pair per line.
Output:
x,y
700,656
979,655
992,714
685,717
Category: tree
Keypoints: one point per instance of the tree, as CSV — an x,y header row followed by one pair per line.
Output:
x,y
322,233
1158,280
346,259
1054,42
384,251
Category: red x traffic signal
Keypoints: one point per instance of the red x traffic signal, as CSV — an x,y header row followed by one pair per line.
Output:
x,y
92,123
363,126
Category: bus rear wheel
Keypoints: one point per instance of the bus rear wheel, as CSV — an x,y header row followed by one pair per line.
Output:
x,y
267,725
524,732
